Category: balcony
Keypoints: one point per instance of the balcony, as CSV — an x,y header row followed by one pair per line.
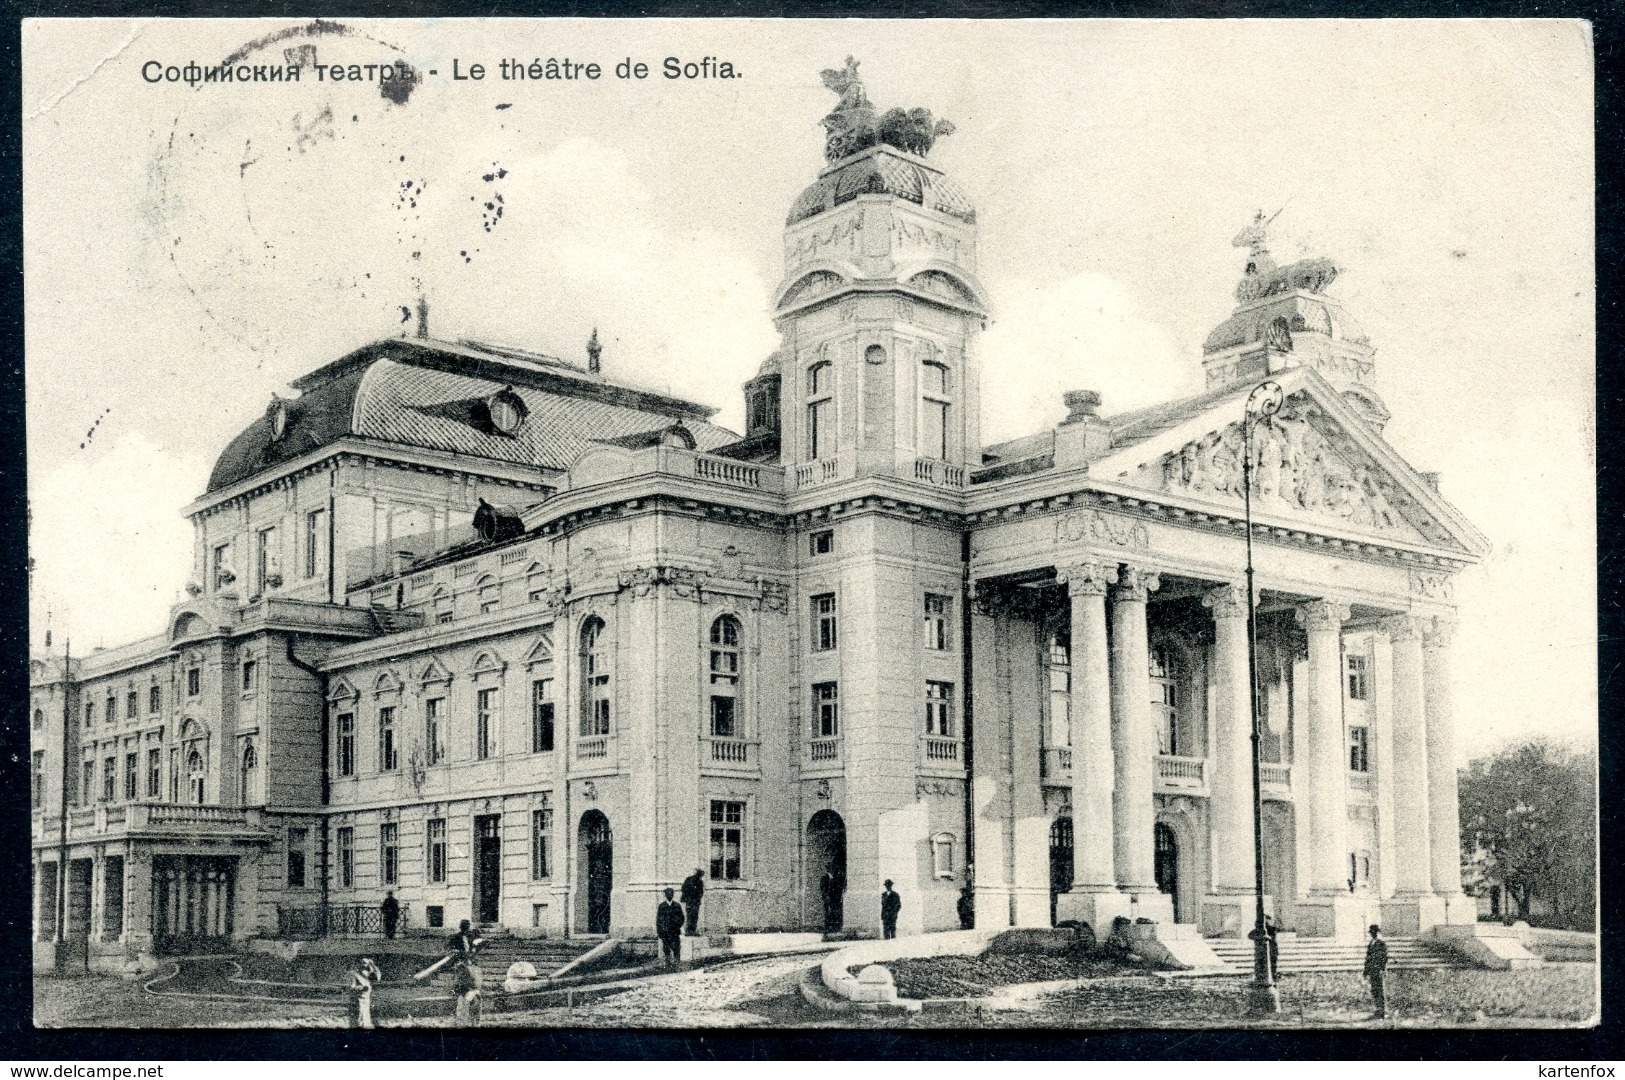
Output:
x,y
175,820
940,473
595,748
817,472
730,755
1275,780
824,752
940,754
1058,763
1181,775
1362,782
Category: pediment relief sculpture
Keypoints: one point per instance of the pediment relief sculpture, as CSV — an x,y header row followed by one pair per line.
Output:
x,y
1303,464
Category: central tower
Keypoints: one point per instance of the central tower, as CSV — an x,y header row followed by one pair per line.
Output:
x,y
877,306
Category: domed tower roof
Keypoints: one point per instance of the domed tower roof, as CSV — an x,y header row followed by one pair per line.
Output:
x,y
884,172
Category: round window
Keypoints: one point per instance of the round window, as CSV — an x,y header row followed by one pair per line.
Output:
x,y
507,412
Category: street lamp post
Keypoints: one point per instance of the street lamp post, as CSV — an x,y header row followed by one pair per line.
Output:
x,y
1263,998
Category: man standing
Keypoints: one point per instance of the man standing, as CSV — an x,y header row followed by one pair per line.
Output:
x,y
1274,948
467,980
831,887
390,912
890,905
1376,970
693,893
669,929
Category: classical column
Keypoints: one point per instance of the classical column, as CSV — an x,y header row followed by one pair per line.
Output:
x,y
1410,774
1328,780
1134,740
1231,803
1092,768
1444,816
990,796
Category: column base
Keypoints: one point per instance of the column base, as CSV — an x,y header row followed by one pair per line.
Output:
x,y
1031,906
1488,945
1232,915
1340,917
1096,909
1408,916
993,906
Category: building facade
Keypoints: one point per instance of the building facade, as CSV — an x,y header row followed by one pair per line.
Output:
x,y
525,645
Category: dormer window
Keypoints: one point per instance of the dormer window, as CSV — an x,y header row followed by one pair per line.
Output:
x,y
507,411
279,418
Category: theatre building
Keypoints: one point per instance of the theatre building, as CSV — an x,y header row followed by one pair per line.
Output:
x,y
526,644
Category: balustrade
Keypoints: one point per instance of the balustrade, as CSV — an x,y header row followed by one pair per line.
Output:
x,y
735,752
588,749
824,751
1182,774
941,751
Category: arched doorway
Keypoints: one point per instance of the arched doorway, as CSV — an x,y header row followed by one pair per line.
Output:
x,y
826,855
1167,864
1060,861
597,872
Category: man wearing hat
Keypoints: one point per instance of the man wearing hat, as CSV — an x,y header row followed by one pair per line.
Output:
x,y
890,905
669,928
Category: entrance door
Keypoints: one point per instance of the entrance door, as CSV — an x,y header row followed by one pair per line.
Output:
x,y
597,869
1167,864
826,855
1060,861
194,900
488,868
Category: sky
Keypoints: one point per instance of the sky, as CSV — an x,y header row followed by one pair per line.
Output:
x,y
191,250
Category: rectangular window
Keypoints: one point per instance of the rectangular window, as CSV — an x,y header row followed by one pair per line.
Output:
x,y
155,700
541,842
487,703
109,778
264,559
219,564
194,682
297,839
389,851
132,704
821,542
723,724
132,775
346,843
389,758
939,709
1359,749
595,712
155,772
250,674
934,429
1359,678
727,839
112,709
434,731
823,622
90,713
346,744
315,543
174,776
938,622
541,716
818,433
826,711
38,779
436,837
87,789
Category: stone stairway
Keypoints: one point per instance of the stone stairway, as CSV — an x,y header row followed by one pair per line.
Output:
x,y
1302,954
502,950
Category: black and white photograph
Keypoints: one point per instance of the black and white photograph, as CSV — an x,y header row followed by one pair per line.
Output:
x,y
852,524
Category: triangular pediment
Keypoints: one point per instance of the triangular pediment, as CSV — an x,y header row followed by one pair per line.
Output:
x,y
1318,467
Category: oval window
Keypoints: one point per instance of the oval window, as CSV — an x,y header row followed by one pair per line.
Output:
x,y
507,412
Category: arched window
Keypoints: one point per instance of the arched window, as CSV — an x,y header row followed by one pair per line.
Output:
x,y
724,678
1165,700
596,689
820,434
155,699
195,776
490,593
934,409
874,354
39,718
248,786
442,606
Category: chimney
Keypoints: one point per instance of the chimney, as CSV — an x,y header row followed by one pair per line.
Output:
x,y
1083,435
423,317
594,351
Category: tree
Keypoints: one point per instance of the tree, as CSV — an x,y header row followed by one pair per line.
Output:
x,y
1528,814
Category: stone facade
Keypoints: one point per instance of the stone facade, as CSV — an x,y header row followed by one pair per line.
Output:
x,y
526,646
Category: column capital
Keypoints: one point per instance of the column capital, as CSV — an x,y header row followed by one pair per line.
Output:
x,y
1438,632
1227,602
1087,578
1136,584
1402,628
1322,615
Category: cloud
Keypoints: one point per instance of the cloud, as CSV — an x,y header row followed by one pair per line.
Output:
x,y
1084,333
110,553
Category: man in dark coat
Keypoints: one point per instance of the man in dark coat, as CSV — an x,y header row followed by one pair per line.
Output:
x,y
669,928
693,893
390,912
831,887
1376,970
467,979
890,905
967,907
1274,947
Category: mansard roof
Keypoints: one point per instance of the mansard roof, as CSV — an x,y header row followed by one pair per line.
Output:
x,y
435,395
